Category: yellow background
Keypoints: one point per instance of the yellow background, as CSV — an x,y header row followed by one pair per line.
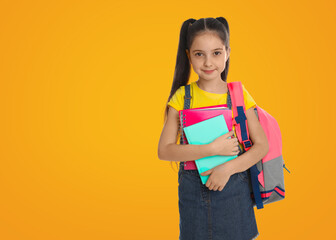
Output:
x,y
83,90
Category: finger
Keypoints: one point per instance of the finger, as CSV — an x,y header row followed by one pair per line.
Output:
x,y
229,134
206,173
212,185
221,188
215,188
208,183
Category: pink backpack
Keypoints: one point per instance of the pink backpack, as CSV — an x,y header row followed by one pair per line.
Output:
x,y
267,175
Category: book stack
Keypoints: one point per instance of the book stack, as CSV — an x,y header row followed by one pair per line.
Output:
x,y
202,126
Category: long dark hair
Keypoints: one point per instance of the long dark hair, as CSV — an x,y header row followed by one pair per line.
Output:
x,y
189,30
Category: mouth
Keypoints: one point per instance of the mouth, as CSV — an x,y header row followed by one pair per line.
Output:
x,y
208,71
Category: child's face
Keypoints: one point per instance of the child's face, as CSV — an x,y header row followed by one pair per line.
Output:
x,y
207,52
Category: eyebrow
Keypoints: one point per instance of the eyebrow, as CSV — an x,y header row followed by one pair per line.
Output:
x,y
212,50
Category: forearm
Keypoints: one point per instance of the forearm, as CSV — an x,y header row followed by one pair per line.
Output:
x,y
247,159
186,152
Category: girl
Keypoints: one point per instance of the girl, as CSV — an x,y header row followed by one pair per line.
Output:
x,y
222,208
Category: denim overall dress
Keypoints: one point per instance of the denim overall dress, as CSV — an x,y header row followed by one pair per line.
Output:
x,y
215,215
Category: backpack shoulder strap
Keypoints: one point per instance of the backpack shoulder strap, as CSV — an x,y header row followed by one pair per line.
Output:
x,y
240,122
187,97
239,118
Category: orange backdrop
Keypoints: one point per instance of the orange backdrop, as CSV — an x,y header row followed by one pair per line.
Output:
x,y
82,95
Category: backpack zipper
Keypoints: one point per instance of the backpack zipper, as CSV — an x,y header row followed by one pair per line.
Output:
x,y
286,168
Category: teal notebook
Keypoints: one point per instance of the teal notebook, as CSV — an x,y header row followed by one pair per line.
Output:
x,y
205,132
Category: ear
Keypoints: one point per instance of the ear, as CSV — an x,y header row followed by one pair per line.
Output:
x,y
228,53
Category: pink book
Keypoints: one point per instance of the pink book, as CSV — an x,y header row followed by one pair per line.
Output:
x,y
194,115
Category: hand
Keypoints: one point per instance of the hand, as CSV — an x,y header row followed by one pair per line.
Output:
x,y
220,175
224,145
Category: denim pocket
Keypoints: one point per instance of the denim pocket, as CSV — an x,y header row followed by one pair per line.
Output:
x,y
243,176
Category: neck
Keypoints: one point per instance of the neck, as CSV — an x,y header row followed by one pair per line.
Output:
x,y
219,86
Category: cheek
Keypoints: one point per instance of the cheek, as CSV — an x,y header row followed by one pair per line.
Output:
x,y
221,64
196,65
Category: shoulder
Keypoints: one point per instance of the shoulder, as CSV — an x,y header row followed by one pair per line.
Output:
x,y
243,86
177,100
245,90
180,92
249,100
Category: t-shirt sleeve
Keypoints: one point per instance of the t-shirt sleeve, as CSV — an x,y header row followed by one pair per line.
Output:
x,y
177,100
249,101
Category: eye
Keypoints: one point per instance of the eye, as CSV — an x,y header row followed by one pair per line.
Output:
x,y
218,52
197,53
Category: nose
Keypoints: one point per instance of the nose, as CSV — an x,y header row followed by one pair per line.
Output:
x,y
207,62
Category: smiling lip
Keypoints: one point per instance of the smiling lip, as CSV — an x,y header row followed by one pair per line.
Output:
x,y
208,71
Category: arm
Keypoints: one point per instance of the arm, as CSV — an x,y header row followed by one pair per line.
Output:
x,y
169,150
259,147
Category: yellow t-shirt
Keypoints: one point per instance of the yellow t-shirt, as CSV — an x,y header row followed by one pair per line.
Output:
x,y
201,98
